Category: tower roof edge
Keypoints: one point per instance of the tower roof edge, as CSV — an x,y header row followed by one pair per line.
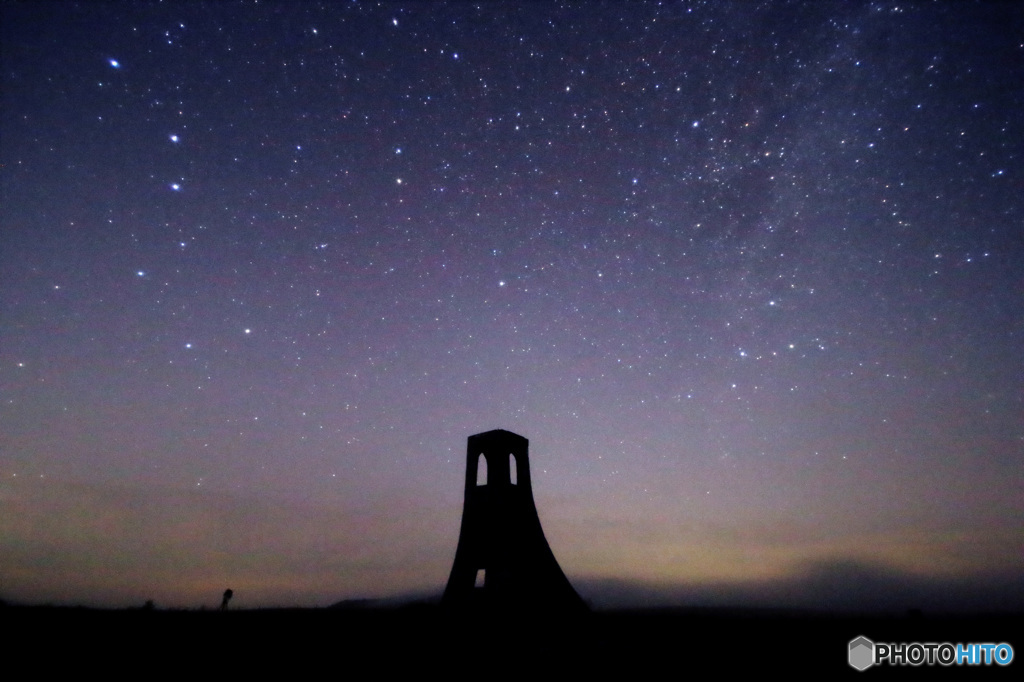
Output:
x,y
498,433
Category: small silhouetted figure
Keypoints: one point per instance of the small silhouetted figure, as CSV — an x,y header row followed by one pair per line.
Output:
x,y
228,594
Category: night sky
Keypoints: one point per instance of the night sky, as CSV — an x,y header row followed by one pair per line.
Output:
x,y
749,276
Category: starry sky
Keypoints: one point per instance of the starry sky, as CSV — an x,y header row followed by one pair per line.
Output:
x,y
749,276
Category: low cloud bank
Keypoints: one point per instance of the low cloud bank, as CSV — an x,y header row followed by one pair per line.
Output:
x,y
836,586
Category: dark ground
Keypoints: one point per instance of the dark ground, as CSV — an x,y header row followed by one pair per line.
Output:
x,y
422,639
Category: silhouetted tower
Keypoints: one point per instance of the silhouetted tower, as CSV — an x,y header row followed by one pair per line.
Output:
x,y
503,561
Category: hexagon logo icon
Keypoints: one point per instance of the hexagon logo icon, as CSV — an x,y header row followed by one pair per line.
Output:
x,y
862,653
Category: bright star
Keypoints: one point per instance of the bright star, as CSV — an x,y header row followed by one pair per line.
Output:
x,y
114,63
174,138
175,186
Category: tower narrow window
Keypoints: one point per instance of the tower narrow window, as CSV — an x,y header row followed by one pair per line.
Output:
x,y
513,470
481,470
481,577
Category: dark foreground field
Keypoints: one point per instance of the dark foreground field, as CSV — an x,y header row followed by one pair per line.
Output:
x,y
422,639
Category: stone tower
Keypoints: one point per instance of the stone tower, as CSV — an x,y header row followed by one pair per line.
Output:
x,y
503,562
